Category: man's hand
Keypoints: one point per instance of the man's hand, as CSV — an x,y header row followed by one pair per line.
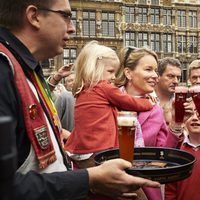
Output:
x,y
189,107
111,179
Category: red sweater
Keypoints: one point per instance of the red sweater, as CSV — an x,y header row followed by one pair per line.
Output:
x,y
187,189
95,118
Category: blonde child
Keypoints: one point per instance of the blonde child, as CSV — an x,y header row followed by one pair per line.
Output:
x,y
97,100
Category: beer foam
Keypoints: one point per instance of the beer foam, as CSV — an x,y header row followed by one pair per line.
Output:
x,y
126,121
194,89
181,89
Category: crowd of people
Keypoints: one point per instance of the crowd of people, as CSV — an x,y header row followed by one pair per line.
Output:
x,y
60,126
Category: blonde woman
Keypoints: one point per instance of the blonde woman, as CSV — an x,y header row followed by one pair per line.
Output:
x,y
138,78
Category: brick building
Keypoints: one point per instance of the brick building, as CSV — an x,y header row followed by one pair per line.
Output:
x,y
169,27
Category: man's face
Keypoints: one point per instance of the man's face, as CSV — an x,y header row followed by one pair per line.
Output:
x,y
55,28
169,79
195,76
69,81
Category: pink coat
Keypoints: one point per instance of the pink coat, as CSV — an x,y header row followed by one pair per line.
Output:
x,y
154,129
155,133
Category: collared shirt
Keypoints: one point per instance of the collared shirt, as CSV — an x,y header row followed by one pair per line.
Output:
x,y
187,142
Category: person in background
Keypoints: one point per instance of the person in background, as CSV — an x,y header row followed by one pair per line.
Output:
x,y
27,37
69,81
138,77
194,72
169,74
65,107
189,187
63,98
65,102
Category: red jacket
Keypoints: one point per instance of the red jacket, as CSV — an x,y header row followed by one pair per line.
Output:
x,y
95,118
187,189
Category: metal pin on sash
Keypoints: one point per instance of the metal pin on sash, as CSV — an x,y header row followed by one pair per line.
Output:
x,y
33,111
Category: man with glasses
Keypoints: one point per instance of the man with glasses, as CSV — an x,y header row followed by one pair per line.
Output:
x,y
33,31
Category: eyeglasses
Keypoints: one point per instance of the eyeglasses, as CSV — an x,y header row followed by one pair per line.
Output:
x,y
67,15
128,52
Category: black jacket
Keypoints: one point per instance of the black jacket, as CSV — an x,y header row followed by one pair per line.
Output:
x,y
32,186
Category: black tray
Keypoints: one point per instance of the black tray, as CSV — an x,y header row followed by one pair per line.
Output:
x,y
178,163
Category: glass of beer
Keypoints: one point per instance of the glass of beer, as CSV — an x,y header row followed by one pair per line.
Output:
x,y
126,122
195,93
180,97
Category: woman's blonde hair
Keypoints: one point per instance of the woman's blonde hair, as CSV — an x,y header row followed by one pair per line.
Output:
x,y
129,57
89,65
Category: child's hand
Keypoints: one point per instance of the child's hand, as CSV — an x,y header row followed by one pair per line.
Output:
x,y
64,136
152,99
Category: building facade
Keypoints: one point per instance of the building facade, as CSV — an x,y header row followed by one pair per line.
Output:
x,y
169,27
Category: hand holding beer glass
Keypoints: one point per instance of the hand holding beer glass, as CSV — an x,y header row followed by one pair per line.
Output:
x,y
180,98
195,93
126,122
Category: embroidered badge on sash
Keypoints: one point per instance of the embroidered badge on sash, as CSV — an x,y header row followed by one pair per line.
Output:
x,y
41,136
33,111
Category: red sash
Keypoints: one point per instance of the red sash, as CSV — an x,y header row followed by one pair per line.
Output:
x,y
35,122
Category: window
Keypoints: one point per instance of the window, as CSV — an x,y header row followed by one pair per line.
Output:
x,y
69,55
155,41
155,2
167,17
182,44
129,14
181,18
142,39
184,72
142,15
167,43
155,16
193,44
108,24
142,2
192,19
74,20
89,23
130,39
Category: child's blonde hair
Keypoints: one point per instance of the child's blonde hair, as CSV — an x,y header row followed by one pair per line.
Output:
x,y
89,65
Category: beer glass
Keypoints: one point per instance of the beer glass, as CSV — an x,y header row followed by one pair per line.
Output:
x,y
195,93
180,97
126,122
